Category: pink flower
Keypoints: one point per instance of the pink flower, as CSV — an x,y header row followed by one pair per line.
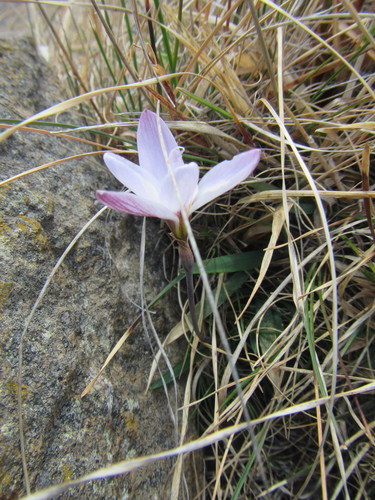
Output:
x,y
152,185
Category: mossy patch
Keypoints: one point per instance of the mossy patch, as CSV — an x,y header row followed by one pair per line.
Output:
x,y
36,229
12,387
67,472
4,228
5,289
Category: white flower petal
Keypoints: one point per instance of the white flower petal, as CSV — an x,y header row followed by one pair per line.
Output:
x,y
175,158
225,176
135,205
132,176
151,131
187,177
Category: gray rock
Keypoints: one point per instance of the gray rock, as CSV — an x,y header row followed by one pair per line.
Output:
x,y
86,309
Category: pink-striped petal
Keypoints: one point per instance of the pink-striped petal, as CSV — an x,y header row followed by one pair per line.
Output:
x,y
131,175
151,131
187,177
225,176
135,205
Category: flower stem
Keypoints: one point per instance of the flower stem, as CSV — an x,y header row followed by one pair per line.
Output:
x,y
187,261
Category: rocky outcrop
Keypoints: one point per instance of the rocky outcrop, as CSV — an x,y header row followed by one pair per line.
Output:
x,y
89,304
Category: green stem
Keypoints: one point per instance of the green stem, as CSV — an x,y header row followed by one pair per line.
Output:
x,y
187,261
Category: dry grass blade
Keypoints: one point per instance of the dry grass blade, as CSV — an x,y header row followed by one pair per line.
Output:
x,y
278,219
24,333
83,98
117,347
129,465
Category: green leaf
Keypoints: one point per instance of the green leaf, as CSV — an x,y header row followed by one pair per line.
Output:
x,y
204,102
224,264
232,263
270,329
178,370
230,286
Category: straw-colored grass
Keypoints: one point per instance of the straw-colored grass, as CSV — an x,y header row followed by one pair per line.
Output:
x,y
282,398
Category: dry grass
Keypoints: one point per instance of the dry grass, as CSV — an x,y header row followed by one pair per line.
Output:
x,y
296,80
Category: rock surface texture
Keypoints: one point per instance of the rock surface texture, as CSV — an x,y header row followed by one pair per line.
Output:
x,y
87,307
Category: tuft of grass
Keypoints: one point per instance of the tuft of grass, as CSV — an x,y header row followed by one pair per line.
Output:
x,y
297,307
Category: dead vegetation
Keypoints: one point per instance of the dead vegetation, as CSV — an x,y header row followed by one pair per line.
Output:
x,y
297,81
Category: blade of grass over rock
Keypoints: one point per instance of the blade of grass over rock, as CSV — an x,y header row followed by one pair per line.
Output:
x,y
129,465
74,101
71,128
